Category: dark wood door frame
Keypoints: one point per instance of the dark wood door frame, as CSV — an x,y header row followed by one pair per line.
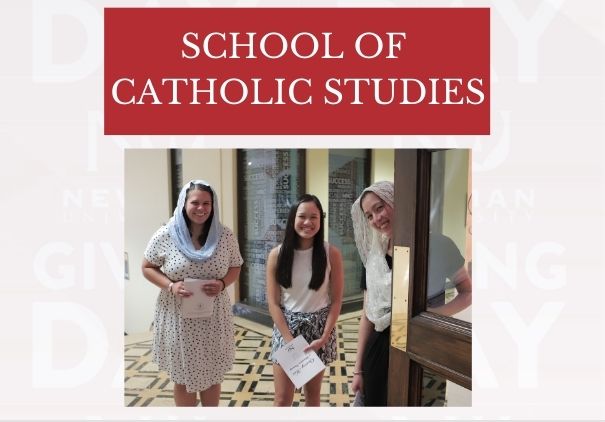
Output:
x,y
445,345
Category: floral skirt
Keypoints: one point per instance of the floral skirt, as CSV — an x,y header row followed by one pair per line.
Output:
x,y
311,326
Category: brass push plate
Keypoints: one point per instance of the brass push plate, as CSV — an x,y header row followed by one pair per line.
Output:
x,y
401,287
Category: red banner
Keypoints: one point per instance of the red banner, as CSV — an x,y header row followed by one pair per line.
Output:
x,y
297,71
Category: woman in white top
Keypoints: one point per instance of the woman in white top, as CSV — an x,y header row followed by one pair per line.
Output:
x,y
304,291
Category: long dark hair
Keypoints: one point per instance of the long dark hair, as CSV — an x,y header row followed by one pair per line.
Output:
x,y
208,223
292,241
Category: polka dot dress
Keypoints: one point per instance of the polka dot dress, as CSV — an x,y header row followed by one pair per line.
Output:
x,y
195,352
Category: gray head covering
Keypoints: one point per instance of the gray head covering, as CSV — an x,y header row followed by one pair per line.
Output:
x,y
365,236
179,232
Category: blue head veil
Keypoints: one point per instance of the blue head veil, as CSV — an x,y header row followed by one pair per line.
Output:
x,y
179,232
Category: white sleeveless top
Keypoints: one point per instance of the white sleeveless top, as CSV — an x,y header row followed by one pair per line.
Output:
x,y
299,297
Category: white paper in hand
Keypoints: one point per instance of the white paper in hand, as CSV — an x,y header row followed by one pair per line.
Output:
x,y
298,365
198,305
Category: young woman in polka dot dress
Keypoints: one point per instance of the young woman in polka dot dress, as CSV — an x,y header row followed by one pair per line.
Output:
x,y
195,352
305,284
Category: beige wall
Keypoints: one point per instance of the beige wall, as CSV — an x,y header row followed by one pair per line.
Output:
x,y
469,210
383,165
203,164
146,208
317,179
454,201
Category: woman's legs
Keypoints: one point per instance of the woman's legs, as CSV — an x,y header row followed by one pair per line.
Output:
x,y
284,389
376,368
182,397
211,396
312,390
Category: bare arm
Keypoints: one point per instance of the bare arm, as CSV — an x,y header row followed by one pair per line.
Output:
x,y
464,297
274,297
153,273
336,291
365,329
231,276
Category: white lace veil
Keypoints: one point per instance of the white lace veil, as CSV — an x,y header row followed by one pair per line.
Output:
x,y
367,238
372,246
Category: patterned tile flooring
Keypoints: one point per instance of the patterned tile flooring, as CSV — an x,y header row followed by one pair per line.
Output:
x,y
250,382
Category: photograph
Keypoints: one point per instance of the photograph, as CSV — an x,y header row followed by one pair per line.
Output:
x,y
325,277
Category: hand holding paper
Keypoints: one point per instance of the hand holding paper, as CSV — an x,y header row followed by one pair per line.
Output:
x,y
314,346
298,365
198,304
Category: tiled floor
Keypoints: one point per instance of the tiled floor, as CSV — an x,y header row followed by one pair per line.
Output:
x,y
250,382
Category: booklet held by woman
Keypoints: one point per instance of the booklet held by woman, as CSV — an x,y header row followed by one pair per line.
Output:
x,y
198,305
298,365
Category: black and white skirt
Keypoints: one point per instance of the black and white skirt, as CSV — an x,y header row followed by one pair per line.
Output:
x,y
311,326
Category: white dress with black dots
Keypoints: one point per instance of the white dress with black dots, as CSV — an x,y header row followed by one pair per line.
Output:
x,y
195,352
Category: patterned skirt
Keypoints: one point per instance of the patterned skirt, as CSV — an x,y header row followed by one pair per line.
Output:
x,y
311,326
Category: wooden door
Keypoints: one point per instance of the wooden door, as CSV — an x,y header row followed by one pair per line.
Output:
x,y
421,342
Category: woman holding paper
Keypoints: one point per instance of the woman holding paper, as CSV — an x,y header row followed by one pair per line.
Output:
x,y
195,352
304,292
373,219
